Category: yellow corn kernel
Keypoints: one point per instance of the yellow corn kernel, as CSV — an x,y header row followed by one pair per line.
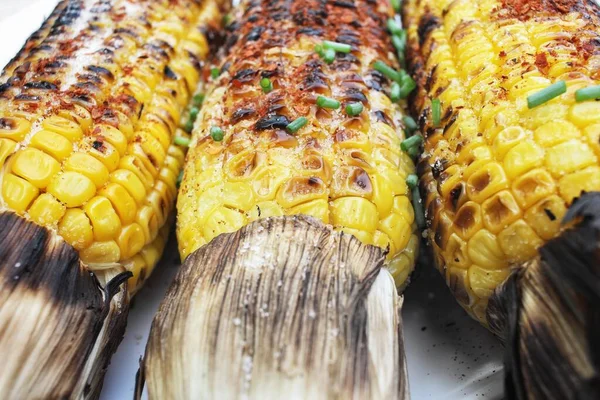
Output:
x,y
136,266
7,147
569,156
14,128
167,176
484,281
267,182
151,254
507,139
46,210
519,242
148,220
67,128
522,158
483,249
555,132
103,152
153,149
111,135
104,219
402,206
101,253
159,131
223,220
592,134
382,240
532,187
121,201
135,165
265,209
401,266
383,197
52,143
397,229
456,252
545,217
238,195
76,229
131,240
301,189
17,193
72,188
574,184
355,213
584,114
131,183
468,220
88,166
315,208
36,166
363,236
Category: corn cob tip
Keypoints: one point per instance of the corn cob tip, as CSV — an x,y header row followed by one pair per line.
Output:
x,y
82,323
255,280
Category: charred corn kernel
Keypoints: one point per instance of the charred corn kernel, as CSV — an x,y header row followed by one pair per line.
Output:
x,y
131,240
35,166
88,166
101,253
521,167
79,115
105,221
111,135
63,126
131,183
345,170
52,143
17,193
76,229
72,188
14,128
46,210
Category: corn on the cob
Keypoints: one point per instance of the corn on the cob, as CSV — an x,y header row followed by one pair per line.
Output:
x,y
88,112
514,144
276,142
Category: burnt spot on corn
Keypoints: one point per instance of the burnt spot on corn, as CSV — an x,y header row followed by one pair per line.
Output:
x,y
527,9
242,113
427,23
272,122
169,73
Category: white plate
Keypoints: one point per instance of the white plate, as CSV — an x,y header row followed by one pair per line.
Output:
x,y
449,355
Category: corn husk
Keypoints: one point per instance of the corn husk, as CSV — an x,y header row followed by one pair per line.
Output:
x,y
285,307
59,325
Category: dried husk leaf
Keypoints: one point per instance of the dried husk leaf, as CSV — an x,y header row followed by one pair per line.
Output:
x,y
58,324
548,313
283,308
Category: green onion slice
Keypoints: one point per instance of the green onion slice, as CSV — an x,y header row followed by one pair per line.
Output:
x,y
588,93
327,102
411,142
395,92
386,70
329,56
412,181
337,46
295,125
436,112
216,133
182,141
214,72
410,124
394,27
266,85
546,94
354,109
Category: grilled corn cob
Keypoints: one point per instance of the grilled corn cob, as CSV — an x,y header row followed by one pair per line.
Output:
x,y
514,143
276,142
88,168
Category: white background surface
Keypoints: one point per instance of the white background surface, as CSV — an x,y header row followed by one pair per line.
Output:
x,y
449,355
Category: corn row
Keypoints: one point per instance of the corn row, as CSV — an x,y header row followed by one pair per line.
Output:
x,y
88,113
498,171
265,145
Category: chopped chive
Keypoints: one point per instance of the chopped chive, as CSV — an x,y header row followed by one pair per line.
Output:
x,y
329,56
386,70
182,141
189,126
411,142
179,179
588,93
216,133
266,85
327,102
214,72
353,109
198,99
399,42
436,112
295,125
394,27
395,92
395,5
337,46
319,50
418,208
546,94
409,124
194,113
407,86
226,19
414,152
412,181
